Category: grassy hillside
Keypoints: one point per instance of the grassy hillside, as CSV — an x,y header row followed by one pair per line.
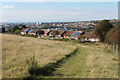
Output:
x,y
16,51
91,60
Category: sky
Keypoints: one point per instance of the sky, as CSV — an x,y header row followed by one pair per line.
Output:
x,y
59,0
57,11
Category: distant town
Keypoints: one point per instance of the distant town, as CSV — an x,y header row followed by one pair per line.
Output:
x,y
73,26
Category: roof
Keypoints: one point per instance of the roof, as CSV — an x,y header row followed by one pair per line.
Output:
x,y
35,30
25,29
61,32
69,33
77,33
90,35
46,31
30,30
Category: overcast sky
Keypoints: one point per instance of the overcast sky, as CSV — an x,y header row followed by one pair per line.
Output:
x,y
57,11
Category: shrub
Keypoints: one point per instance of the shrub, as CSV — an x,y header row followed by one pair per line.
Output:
x,y
17,32
33,66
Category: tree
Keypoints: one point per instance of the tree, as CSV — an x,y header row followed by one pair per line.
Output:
x,y
115,37
112,38
110,33
2,30
40,32
9,30
23,26
81,38
15,28
17,32
55,32
102,28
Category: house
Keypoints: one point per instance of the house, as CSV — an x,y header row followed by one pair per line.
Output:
x,y
46,32
90,37
76,35
33,32
60,35
68,34
24,31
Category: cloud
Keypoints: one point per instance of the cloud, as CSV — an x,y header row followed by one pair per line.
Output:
x,y
7,7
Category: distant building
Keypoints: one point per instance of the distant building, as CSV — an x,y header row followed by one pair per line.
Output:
x,y
90,37
37,24
76,35
68,34
46,31
24,31
33,32
60,35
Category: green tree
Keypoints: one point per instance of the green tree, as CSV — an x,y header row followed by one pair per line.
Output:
x,y
102,28
17,32
23,26
2,30
40,32
81,38
55,32
15,28
9,30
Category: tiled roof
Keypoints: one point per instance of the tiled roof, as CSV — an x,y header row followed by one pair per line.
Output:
x,y
90,35
46,31
69,33
61,32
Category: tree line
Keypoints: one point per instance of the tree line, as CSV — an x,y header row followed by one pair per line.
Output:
x,y
109,34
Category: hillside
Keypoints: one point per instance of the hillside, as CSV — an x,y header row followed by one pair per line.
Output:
x,y
16,50
90,61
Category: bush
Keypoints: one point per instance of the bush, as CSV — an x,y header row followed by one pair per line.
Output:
x,y
33,66
2,30
17,32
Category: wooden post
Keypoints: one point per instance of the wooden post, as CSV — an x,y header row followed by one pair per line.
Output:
x,y
113,47
116,48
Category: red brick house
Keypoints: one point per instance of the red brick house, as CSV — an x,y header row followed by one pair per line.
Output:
x,y
90,37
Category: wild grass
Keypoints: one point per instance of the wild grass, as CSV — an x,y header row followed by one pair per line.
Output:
x,y
16,51
91,61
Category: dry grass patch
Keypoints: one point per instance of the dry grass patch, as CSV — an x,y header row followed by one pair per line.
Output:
x,y
16,50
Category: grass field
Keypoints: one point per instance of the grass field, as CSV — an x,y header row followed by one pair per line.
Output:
x,y
91,60
16,50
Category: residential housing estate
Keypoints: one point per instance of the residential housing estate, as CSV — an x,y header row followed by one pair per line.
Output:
x,y
74,35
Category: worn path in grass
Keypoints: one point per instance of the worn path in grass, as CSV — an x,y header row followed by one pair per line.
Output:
x,y
91,61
